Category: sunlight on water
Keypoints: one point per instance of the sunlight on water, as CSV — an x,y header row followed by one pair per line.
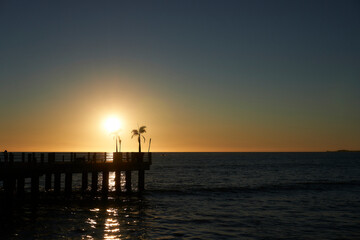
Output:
x,y
109,156
122,180
87,237
112,229
112,176
112,211
111,181
110,224
110,237
91,222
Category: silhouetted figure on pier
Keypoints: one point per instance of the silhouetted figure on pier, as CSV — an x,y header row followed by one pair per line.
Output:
x,y
6,156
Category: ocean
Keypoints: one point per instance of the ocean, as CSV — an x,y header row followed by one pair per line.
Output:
x,y
210,196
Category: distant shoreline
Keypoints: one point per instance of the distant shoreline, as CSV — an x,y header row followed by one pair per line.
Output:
x,y
344,150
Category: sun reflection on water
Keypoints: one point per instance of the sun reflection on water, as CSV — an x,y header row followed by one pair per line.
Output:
x,y
111,181
112,225
122,221
87,237
112,176
119,217
92,222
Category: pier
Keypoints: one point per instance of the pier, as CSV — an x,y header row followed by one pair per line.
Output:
x,y
56,171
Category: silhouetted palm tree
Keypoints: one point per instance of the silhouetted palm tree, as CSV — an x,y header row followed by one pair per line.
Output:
x,y
138,132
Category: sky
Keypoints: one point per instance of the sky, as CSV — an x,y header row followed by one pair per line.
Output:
x,y
201,75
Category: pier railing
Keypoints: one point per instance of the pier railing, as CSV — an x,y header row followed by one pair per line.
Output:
x,y
89,157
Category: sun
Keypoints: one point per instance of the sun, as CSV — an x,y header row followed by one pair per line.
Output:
x,y
112,124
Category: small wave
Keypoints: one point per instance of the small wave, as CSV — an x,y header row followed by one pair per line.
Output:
x,y
317,185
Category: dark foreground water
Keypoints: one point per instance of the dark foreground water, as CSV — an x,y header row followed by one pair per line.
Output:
x,y
211,196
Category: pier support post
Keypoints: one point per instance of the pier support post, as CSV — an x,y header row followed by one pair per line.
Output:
x,y
35,185
128,181
57,181
118,181
51,158
20,188
94,182
47,181
9,186
105,182
141,180
84,181
68,183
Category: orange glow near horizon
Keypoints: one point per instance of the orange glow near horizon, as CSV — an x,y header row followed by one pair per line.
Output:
x,y
70,121
85,132
170,131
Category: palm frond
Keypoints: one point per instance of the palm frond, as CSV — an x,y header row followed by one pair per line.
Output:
x,y
134,132
143,137
142,129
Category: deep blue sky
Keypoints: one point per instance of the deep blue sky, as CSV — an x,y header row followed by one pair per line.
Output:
x,y
227,75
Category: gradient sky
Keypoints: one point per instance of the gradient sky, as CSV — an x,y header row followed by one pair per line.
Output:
x,y
201,75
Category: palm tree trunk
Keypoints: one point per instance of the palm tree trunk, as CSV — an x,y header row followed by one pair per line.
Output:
x,y
139,143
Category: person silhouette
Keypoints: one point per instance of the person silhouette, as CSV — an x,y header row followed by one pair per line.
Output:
x,y
6,156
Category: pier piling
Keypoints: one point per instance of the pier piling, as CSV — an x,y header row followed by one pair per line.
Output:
x,y
118,181
57,182
94,182
105,182
84,181
141,180
9,186
20,187
48,181
35,185
128,181
68,183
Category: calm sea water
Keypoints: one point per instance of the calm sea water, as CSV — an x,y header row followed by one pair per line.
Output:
x,y
211,196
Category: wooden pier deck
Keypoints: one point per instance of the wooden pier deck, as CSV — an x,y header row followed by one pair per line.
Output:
x,y
16,167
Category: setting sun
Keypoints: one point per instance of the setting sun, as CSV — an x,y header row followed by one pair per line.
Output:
x,y
112,124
